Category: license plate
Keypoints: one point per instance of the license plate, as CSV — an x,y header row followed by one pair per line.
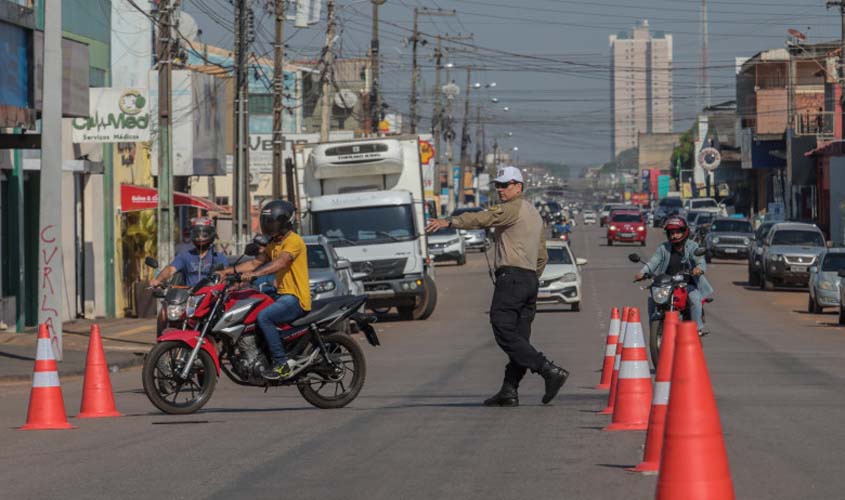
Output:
x,y
626,235
799,269
544,295
436,251
731,250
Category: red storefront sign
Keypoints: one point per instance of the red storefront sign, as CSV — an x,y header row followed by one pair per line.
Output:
x,y
134,198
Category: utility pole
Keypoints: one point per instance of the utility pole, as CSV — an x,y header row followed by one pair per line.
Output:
x,y
841,5
50,262
375,105
278,98
437,117
464,141
240,186
415,70
705,56
328,74
165,50
479,148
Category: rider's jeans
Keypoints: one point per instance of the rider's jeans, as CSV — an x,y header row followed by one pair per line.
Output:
x,y
284,310
695,308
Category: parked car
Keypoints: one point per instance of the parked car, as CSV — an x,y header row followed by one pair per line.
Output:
x,y
476,239
728,239
705,205
666,207
626,226
789,250
756,250
561,280
328,275
589,217
824,283
448,244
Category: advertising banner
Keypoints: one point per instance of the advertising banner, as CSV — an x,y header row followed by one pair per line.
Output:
x,y
639,198
427,164
115,115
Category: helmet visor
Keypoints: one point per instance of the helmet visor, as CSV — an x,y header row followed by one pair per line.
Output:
x,y
202,234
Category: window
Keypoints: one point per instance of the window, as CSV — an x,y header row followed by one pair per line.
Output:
x,y
559,255
317,257
365,225
797,237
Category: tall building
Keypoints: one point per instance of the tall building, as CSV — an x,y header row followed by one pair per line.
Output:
x,y
640,85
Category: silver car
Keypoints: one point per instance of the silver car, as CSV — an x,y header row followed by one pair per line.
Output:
x,y
824,281
789,250
728,239
474,239
328,275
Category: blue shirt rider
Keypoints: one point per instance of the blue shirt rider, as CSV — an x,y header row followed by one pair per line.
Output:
x,y
674,256
197,262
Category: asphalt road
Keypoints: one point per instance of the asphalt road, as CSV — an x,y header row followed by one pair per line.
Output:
x,y
418,431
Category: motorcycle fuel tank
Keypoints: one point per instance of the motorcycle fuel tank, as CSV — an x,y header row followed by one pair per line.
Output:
x,y
232,322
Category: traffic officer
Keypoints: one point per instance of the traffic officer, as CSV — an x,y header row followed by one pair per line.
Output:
x,y
520,259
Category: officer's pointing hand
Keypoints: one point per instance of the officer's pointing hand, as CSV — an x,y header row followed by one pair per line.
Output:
x,y
435,225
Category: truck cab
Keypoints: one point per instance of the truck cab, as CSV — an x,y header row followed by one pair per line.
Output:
x,y
366,197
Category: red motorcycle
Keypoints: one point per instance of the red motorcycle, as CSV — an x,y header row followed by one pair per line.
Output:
x,y
221,334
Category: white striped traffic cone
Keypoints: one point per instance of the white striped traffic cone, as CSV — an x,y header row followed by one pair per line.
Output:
x,y
610,350
633,391
617,361
46,405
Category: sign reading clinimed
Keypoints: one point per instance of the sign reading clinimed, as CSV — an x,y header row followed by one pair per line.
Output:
x,y
115,115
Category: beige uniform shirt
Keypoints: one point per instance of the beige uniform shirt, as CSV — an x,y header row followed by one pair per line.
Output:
x,y
520,233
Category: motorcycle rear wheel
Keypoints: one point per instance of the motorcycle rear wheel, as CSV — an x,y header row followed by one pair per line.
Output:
x,y
655,339
342,388
163,386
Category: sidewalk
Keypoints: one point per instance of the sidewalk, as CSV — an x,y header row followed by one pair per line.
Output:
x,y
124,340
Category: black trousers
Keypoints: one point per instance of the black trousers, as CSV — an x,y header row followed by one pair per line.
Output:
x,y
511,314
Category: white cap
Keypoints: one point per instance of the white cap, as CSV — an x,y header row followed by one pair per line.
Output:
x,y
508,174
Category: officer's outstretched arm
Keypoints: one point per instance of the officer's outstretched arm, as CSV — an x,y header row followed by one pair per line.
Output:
x,y
497,215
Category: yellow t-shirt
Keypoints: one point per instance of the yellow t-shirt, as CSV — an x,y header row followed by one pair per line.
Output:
x,y
293,280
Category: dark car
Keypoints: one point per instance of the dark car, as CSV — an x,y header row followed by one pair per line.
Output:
x,y
728,239
756,250
666,207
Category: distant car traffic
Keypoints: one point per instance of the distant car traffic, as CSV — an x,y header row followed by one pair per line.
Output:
x,y
666,207
626,226
696,219
605,212
448,244
789,250
561,280
589,216
475,239
728,239
824,281
704,205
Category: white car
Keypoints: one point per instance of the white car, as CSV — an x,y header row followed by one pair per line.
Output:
x,y
448,244
561,280
704,205
589,217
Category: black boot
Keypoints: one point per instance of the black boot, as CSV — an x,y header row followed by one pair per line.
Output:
x,y
507,396
555,377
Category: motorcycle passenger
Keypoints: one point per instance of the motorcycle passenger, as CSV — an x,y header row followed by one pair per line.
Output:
x,y
675,256
195,263
286,256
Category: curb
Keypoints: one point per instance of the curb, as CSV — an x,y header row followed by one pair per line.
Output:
x,y
132,362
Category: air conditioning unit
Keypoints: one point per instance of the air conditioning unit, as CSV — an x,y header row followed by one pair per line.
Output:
x,y
338,159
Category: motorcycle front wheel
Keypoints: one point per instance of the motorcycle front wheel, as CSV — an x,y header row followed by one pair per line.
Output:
x,y
165,387
330,387
655,338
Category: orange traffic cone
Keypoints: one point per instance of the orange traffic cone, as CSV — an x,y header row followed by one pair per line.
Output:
x,y
617,361
46,405
610,350
694,462
97,397
662,384
633,390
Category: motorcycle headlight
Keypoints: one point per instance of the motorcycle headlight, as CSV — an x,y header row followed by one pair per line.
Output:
x,y
175,311
324,286
661,294
827,285
192,304
569,278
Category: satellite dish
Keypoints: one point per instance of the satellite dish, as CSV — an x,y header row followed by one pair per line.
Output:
x,y
797,34
345,99
188,26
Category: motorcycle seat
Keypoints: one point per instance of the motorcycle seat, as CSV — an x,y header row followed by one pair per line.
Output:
x,y
324,308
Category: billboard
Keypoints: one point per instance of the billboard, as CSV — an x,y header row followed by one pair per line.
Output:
x,y
76,75
114,115
427,163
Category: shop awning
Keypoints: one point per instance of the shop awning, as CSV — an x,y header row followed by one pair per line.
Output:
x,y
134,198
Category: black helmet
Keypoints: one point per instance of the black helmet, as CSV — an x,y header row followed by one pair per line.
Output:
x,y
277,218
202,231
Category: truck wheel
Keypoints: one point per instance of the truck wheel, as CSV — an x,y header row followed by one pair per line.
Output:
x,y
425,304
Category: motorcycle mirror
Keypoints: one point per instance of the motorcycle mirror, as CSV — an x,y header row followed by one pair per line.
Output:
x,y
634,258
261,240
700,252
251,250
151,262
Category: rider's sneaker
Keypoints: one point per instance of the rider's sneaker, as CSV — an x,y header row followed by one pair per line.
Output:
x,y
704,332
278,371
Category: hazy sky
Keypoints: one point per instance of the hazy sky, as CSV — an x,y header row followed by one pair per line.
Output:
x,y
548,58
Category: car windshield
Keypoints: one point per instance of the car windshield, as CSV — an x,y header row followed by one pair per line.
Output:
x,y
704,204
559,255
448,231
731,226
797,237
834,262
317,257
626,218
671,202
353,226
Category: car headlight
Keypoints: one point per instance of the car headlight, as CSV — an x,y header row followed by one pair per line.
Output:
x,y
569,278
661,294
827,285
192,304
612,228
640,228
777,257
715,240
175,311
746,241
324,286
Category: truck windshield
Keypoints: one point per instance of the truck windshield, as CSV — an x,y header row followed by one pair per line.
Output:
x,y
798,238
353,226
